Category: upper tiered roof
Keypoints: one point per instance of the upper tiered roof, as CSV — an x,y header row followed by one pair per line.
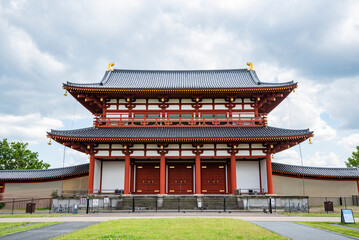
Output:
x,y
193,79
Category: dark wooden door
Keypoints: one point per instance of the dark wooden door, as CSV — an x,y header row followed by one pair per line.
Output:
x,y
213,178
148,178
180,178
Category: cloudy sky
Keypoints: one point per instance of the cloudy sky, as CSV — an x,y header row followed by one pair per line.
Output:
x,y
315,43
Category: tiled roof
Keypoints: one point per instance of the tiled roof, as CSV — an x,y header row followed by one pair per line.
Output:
x,y
315,171
43,174
56,173
179,132
196,79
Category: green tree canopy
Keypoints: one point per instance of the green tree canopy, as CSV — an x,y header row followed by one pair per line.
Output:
x,y
353,161
15,155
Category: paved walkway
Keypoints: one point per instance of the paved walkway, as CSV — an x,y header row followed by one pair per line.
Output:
x,y
48,231
298,231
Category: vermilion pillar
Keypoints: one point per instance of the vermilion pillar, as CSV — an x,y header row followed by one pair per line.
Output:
x,y
233,173
198,174
127,175
163,174
91,173
269,173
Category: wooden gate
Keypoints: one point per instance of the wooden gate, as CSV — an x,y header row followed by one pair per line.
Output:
x,y
180,178
213,178
148,178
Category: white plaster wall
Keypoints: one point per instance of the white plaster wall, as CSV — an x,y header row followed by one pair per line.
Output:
x,y
247,174
113,176
102,153
97,175
264,175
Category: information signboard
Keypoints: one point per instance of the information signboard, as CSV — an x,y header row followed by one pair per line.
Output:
x,y
347,216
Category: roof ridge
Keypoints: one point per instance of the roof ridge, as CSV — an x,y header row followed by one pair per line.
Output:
x,y
292,165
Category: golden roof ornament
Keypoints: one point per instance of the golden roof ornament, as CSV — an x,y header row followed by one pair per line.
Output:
x,y
250,66
110,66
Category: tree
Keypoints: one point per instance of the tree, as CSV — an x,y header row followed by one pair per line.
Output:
x,y
353,161
15,155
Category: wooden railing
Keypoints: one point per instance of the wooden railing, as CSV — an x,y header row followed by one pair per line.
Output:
x,y
125,121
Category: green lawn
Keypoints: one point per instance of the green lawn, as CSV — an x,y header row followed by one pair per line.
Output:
x,y
329,226
173,228
312,214
33,215
7,228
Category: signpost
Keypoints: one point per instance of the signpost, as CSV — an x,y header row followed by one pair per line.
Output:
x,y
347,216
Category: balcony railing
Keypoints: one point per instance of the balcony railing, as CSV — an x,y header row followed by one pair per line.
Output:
x,y
125,121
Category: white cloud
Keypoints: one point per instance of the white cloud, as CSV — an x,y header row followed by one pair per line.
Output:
x,y
29,128
350,142
318,159
328,159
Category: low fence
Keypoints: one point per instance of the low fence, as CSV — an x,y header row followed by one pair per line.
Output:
x,y
19,205
181,204
119,203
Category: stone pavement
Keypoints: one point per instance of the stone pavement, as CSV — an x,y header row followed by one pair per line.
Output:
x,y
48,231
298,231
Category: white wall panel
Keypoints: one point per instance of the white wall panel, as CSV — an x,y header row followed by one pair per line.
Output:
x,y
222,153
258,153
243,153
153,107
220,106
187,107
172,153
138,146
264,175
247,175
103,146
188,153
113,175
138,153
173,107
97,175
117,154
152,153
102,153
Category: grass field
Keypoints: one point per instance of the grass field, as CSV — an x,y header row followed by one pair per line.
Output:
x,y
312,214
176,228
7,228
329,226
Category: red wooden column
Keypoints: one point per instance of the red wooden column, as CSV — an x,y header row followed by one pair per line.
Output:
x,y
127,152
198,153
163,174
269,172
127,175
233,152
91,173
163,153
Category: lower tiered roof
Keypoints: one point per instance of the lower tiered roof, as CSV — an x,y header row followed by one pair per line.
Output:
x,y
179,134
81,170
44,174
